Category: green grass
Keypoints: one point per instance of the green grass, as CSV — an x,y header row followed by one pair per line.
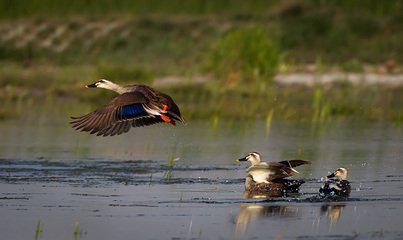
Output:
x,y
61,8
51,48
168,37
317,105
247,55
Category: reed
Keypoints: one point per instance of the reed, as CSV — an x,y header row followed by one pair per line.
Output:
x,y
269,119
39,230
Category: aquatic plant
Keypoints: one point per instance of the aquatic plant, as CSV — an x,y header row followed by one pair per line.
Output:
x,y
77,231
168,175
171,159
289,103
215,120
321,108
38,230
269,119
316,103
181,197
170,163
399,120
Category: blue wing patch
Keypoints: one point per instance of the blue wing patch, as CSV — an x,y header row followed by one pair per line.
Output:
x,y
132,111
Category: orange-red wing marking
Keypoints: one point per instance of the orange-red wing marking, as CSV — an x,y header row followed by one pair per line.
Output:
x,y
168,120
165,118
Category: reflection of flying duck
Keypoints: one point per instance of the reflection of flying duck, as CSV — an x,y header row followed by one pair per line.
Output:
x,y
270,177
136,106
336,184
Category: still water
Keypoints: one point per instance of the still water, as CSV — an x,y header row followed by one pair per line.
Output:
x,y
60,184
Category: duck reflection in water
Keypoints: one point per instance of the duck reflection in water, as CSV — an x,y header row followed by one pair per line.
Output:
x,y
332,211
251,212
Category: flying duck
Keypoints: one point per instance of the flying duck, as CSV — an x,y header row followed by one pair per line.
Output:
x,y
135,106
336,184
270,177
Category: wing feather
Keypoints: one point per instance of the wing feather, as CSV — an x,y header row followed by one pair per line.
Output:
x,y
140,107
124,107
277,170
294,163
124,126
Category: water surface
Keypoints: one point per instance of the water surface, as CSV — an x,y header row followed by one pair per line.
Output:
x,y
79,186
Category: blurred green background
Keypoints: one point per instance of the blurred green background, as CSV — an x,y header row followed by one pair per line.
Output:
x,y
218,59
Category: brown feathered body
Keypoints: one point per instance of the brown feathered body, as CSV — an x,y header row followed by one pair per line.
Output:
x,y
274,188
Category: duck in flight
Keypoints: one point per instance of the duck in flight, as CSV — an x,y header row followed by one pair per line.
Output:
x,y
135,106
270,177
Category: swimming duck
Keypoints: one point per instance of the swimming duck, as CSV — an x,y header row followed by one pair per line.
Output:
x,y
136,106
270,177
336,184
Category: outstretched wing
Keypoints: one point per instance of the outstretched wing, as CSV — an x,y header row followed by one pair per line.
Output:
x,y
267,172
276,170
124,126
122,112
294,163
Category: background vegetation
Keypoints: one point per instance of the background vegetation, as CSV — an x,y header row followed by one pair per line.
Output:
x,y
53,47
